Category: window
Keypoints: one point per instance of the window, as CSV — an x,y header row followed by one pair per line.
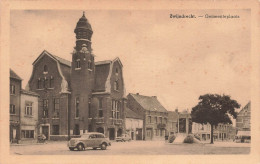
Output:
x,y
116,71
149,119
165,120
39,84
51,82
160,119
45,82
27,133
77,108
45,69
56,108
28,108
115,109
116,86
157,132
55,130
90,65
100,108
78,64
12,89
156,121
12,109
45,108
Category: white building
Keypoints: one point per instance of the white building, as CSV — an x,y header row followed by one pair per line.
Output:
x,y
134,125
29,116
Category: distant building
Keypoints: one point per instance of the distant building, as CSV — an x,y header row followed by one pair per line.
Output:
x,y
201,130
243,120
155,116
134,125
220,132
223,132
172,125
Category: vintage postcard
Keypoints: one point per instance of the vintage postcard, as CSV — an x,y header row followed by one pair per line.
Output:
x,y
100,82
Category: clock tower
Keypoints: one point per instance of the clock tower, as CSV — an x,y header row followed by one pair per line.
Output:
x,y
82,77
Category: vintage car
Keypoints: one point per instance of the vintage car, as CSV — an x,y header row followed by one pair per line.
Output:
x,y
93,139
123,138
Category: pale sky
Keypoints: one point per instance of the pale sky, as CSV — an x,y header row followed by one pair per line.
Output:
x,y
175,59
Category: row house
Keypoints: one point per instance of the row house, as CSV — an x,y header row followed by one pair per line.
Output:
x,y
15,88
23,112
134,125
80,95
220,132
155,116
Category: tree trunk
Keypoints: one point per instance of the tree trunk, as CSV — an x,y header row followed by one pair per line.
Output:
x,y
211,135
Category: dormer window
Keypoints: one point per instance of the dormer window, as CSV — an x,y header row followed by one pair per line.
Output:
x,y
78,64
45,69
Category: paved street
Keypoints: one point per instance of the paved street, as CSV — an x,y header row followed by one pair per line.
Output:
x,y
134,148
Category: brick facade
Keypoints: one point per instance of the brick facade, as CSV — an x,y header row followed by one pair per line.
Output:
x,y
81,95
155,116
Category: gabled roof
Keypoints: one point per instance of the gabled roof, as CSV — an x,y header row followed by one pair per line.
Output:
x,y
246,107
14,75
149,102
103,73
132,114
56,58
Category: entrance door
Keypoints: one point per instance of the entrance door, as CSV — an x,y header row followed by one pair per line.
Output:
x,y
45,131
111,133
132,135
138,134
148,134
119,132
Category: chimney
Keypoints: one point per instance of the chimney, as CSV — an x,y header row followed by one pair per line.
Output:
x,y
176,110
137,93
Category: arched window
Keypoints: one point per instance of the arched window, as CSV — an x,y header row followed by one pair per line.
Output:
x,y
78,64
45,68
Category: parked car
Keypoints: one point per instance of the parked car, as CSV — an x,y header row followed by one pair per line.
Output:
x,y
123,138
93,139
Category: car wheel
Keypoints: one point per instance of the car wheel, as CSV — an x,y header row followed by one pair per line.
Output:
x,y
103,146
71,148
80,147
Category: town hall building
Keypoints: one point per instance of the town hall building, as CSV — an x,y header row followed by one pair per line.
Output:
x,y
80,95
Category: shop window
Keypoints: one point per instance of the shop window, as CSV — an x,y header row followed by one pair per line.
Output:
x,y
27,134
